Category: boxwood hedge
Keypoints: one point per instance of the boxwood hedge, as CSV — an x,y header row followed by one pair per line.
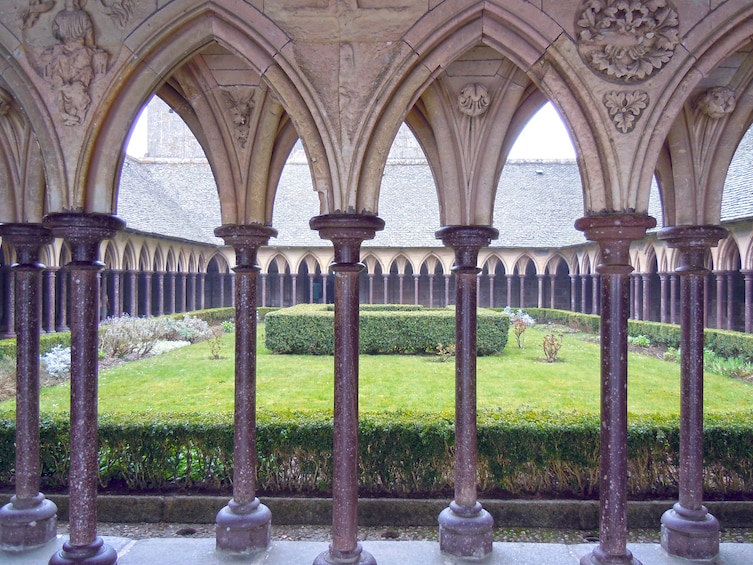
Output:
x,y
400,454
308,329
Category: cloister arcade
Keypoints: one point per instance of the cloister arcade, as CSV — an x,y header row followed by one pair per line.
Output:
x,y
647,89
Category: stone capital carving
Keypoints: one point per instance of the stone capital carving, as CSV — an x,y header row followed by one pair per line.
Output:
x,y
626,40
473,99
717,102
625,108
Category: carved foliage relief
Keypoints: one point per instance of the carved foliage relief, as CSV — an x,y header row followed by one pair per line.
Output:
x,y
626,41
60,36
626,108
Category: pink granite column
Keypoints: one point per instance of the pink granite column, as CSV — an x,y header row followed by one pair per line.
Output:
x,y
663,298
243,526
264,290
62,300
552,290
540,301
83,233
508,280
400,277
29,520
720,287
614,233
573,293
431,290
447,289
688,530
415,288
491,290
636,280
50,278
281,280
522,279
202,290
465,528
730,302
148,293
294,290
347,232
191,292
673,299
9,300
584,293
595,293
160,293
646,301
311,288
133,308
748,276
386,288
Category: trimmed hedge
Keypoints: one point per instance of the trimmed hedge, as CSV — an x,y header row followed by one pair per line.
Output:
x,y
308,329
401,454
722,342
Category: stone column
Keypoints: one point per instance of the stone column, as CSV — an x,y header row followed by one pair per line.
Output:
x,y
183,289
491,290
431,290
170,292
311,288
465,528
636,280
614,234
191,292
50,277
325,276
102,290
347,232
595,293
160,293
371,288
415,288
447,288
720,287
646,305
584,293
281,279
673,298
663,298
243,526
522,290
29,520
294,289
688,530
117,295
148,293
730,295
573,293
552,290
508,280
231,277
83,233
540,279
748,301
386,288
264,290
9,300
62,313
400,277
133,308
202,290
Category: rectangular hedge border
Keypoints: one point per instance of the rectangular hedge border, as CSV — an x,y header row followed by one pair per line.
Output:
x,y
307,329
400,454
722,342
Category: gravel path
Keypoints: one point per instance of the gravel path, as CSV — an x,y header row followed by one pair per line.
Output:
x,y
322,533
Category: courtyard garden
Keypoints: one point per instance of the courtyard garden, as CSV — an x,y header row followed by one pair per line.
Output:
x,y
166,419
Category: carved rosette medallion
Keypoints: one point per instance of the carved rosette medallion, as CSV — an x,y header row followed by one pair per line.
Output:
x,y
717,102
625,108
626,41
473,100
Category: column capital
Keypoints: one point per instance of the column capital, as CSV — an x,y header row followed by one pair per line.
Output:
x,y
26,239
246,240
692,242
84,231
347,232
466,241
614,233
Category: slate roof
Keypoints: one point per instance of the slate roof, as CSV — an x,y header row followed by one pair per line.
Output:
x,y
537,202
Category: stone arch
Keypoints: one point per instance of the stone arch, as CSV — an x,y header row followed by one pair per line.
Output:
x,y
521,34
159,259
168,39
129,257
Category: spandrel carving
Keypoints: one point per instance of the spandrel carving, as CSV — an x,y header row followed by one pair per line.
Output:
x,y
717,102
73,62
473,100
626,40
626,108
240,104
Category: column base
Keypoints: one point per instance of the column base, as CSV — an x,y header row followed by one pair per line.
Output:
x,y
96,553
357,556
26,524
690,534
243,529
599,557
466,532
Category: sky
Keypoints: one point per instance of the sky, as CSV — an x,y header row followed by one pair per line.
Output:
x,y
544,137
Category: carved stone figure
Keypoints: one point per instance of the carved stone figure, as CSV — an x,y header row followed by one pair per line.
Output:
x,y
72,64
120,11
36,8
473,100
626,40
717,102
240,107
625,108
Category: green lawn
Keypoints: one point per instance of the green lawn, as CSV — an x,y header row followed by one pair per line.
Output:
x,y
187,380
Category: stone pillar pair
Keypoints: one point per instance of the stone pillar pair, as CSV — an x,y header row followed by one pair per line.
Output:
x,y
243,526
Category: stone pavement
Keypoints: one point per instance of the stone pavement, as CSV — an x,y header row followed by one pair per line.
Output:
x,y
175,551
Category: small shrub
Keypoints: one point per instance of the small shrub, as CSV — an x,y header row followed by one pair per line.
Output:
x,y
57,362
215,345
519,322
445,352
552,344
125,336
639,341
736,367
228,326
189,329
672,354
